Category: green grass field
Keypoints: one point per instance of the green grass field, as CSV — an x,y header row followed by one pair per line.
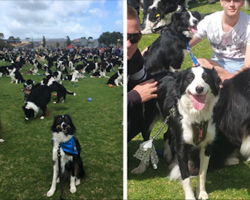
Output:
x,y
26,153
228,183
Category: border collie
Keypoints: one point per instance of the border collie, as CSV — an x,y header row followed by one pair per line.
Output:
x,y
54,86
15,75
116,78
64,138
232,114
159,14
170,48
192,93
101,73
73,77
39,97
57,76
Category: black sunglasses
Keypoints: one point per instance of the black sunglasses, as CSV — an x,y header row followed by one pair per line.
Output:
x,y
134,37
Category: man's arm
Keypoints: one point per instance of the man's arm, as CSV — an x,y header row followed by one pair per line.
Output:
x,y
247,61
195,40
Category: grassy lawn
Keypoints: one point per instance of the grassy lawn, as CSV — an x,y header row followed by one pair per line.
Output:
x,y
228,183
26,154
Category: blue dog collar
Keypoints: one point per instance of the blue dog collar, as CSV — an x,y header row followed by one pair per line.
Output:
x,y
69,147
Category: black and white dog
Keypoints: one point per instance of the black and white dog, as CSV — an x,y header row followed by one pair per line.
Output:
x,y
159,14
38,98
170,48
73,77
116,79
15,75
232,115
54,86
63,131
191,95
58,76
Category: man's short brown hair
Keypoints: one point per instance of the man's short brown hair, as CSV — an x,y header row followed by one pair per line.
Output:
x,y
131,13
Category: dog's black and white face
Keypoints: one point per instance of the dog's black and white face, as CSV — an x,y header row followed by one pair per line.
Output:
x,y
198,90
63,124
186,22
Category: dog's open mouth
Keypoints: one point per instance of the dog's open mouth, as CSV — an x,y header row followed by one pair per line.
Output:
x,y
198,101
193,29
62,128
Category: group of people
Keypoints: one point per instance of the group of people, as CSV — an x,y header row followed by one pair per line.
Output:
x,y
228,32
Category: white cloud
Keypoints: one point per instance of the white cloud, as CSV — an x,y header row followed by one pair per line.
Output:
x,y
57,19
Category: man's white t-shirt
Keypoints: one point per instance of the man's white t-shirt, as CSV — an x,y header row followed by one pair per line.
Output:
x,y
225,45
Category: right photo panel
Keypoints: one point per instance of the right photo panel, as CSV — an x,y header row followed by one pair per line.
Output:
x,y
188,77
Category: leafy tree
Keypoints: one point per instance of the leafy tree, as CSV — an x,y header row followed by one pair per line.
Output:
x,y
1,35
105,38
108,38
44,42
27,39
57,44
11,38
4,45
68,42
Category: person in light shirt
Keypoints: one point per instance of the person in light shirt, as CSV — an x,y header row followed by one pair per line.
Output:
x,y
228,32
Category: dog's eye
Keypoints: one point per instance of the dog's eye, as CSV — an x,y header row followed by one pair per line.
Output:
x,y
190,77
204,76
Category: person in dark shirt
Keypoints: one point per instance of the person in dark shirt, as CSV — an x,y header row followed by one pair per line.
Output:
x,y
139,90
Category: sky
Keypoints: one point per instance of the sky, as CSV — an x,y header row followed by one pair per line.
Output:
x,y
60,18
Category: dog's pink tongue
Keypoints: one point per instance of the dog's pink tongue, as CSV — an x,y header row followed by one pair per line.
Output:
x,y
194,30
198,101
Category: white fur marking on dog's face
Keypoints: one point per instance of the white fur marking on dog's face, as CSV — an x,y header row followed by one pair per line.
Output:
x,y
192,19
198,81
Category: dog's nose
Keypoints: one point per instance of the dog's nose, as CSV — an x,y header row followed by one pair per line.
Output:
x,y
64,125
199,89
195,22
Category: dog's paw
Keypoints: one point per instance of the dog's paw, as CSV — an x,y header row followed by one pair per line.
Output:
x,y
78,181
50,193
73,189
140,169
201,194
42,117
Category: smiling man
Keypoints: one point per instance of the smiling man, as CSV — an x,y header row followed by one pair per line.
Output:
x,y
228,33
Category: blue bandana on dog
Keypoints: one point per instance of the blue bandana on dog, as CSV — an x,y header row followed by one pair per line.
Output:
x,y
69,147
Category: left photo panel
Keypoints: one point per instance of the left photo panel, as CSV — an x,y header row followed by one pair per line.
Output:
x,y
61,102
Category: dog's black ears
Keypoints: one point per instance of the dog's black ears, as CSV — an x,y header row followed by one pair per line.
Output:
x,y
53,127
175,17
197,15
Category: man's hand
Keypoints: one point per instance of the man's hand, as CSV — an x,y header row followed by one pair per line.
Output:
x,y
146,90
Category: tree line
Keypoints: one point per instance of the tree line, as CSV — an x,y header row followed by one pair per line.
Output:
x,y
105,38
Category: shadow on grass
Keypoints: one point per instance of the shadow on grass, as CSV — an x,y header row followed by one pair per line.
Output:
x,y
234,178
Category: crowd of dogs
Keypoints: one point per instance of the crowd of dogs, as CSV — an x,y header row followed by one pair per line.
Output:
x,y
208,127
69,67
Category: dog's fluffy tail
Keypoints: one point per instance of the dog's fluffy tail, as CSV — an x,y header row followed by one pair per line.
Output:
x,y
69,92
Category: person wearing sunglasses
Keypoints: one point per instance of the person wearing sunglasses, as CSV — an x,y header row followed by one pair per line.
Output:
x,y
139,89
228,32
